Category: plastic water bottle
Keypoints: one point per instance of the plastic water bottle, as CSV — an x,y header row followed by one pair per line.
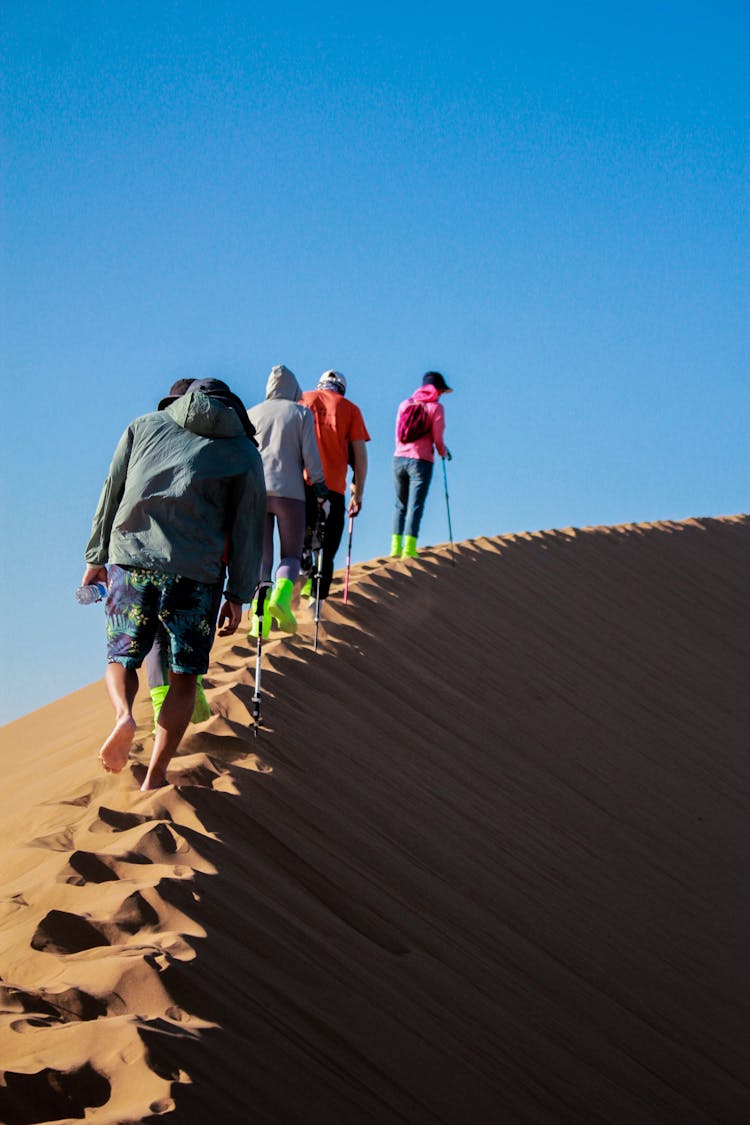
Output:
x,y
97,592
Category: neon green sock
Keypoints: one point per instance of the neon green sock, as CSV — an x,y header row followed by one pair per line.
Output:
x,y
158,695
201,710
397,546
410,546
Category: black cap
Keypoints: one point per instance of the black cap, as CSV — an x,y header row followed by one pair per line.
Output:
x,y
176,391
435,379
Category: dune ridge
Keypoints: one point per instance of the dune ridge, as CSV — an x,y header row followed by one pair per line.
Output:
x,y
483,863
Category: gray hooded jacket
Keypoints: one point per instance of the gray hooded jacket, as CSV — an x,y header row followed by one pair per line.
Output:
x,y
285,432
184,491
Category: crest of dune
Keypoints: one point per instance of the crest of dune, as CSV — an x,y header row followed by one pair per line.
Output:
x,y
484,862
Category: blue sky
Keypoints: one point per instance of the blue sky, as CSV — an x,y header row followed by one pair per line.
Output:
x,y
550,206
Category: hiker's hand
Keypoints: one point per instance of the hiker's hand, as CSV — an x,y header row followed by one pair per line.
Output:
x,y
355,505
94,574
230,616
447,456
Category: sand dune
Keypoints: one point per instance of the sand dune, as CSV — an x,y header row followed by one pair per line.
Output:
x,y
485,862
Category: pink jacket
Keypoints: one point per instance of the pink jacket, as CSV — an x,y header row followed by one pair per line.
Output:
x,y
421,449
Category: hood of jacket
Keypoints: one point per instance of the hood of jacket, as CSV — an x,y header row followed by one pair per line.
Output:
x,y
282,383
426,394
206,416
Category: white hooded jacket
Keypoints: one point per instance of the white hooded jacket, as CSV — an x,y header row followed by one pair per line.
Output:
x,y
285,432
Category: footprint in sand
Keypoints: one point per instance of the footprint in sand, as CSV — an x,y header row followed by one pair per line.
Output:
x,y
52,1095
117,820
86,867
45,1009
62,932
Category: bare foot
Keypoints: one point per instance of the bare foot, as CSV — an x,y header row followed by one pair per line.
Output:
x,y
114,753
153,781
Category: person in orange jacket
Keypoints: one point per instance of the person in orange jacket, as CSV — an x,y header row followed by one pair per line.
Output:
x,y
338,425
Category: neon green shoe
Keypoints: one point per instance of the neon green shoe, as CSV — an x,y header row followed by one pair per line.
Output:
x,y
397,546
158,695
306,590
410,547
255,625
201,710
280,605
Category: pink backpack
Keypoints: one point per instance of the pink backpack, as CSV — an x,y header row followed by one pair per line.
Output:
x,y
413,422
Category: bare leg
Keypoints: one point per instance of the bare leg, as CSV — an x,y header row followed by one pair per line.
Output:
x,y
122,686
173,721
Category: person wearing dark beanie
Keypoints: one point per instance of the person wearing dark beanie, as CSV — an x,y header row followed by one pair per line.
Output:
x,y
420,425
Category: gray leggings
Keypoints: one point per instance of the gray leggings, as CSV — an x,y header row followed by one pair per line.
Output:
x,y
290,517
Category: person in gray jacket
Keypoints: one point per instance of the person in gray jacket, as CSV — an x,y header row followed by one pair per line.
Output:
x,y
185,489
286,438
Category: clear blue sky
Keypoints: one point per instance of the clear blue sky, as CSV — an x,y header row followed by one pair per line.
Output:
x,y
547,203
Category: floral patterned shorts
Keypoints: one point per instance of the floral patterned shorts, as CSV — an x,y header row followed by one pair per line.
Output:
x,y
138,600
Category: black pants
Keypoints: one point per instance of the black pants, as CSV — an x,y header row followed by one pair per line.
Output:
x,y
333,532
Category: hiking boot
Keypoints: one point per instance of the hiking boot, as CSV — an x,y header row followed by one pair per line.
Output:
x,y
397,546
256,625
280,605
410,547
306,590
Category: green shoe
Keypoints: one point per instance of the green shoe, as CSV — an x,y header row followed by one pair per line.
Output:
x,y
410,547
280,605
306,591
256,625
201,710
158,695
397,546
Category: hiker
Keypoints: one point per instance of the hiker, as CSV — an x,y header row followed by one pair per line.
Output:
x,y
420,424
338,425
185,484
285,432
157,661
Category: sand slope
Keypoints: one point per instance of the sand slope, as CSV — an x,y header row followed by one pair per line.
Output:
x,y
485,862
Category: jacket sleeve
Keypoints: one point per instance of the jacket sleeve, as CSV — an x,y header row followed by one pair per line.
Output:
x,y
97,550
310,452
438,428
245,534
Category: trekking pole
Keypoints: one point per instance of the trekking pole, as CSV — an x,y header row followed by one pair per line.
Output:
x,y
348,560
262,589
448,507
318,576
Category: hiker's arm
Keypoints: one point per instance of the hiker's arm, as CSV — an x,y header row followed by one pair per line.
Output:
x,y
438,429
230,617
97,549
248,517
359,449
310,453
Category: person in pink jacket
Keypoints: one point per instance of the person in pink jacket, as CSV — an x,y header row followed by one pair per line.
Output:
x,y
420,425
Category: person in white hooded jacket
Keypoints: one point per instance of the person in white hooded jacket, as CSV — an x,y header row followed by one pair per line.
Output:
x,y
285,432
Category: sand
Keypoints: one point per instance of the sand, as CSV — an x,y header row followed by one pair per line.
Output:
x,y
484,863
